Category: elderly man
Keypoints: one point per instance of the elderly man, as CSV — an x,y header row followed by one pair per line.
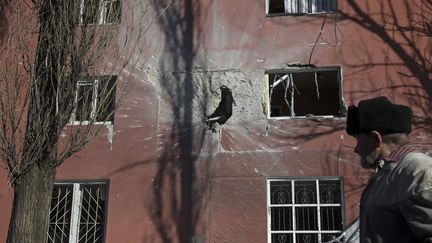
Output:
x,y
396,206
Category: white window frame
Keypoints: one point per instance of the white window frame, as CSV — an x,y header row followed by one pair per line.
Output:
x,y
76,208
293,205
94,103
287,77
96,82
292,7
103,8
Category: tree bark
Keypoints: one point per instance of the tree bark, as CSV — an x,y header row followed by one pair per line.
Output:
x,y
31,204
33,190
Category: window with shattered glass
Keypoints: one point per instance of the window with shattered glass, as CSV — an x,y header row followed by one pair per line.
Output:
x,y
305,92
299,7
78,212
304,210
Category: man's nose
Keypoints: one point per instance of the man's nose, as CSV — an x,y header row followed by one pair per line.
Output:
x,y
355,149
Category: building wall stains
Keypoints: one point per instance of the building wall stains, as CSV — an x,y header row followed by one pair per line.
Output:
x,y
176,178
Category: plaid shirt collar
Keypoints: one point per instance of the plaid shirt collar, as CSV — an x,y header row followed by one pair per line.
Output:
x,y
398,154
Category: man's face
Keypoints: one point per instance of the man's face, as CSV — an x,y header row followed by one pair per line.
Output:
x,y
367,149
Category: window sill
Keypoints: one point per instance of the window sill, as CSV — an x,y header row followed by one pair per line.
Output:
x,y
85,123
335,117
100,24
271,15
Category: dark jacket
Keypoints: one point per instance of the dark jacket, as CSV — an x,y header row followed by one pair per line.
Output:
x,y
396,206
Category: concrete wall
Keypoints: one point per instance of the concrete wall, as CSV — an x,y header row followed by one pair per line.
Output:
x,y
173,179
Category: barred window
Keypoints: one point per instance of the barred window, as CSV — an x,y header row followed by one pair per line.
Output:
x,y
294,7
304,210
78,212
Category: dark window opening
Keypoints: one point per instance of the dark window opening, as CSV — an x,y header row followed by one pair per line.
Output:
x,y
305,92
106,99
295,7
276,6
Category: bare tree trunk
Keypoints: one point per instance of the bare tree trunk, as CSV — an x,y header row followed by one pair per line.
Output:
x,y
33,190
32,198
58,43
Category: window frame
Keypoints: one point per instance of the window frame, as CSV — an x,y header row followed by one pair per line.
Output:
x,y
75,207
267,96
96,82
94,98
267,9
101,18
293,204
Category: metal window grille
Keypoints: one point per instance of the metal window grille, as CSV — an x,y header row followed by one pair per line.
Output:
x,y
304,210
301,6
78,213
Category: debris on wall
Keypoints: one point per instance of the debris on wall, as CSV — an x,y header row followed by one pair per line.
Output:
x,y
208,87
110,134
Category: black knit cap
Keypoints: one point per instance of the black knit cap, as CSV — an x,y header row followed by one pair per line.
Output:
x,y
378,114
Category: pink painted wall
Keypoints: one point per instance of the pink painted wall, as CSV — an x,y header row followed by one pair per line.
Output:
x,y
172,178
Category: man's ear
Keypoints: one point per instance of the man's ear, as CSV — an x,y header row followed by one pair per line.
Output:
x,y
377,138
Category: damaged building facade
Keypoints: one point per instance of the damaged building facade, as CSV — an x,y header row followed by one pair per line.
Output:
x,y
233,128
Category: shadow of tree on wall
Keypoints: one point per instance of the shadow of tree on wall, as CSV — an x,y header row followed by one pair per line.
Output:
x,y
407,35
178,195
405,29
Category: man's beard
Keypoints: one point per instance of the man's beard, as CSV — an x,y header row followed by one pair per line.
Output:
x,y
370,161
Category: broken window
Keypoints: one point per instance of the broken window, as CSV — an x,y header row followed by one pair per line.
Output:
x,y
100,11
305,92
78,212
304,209
94,100
278,7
